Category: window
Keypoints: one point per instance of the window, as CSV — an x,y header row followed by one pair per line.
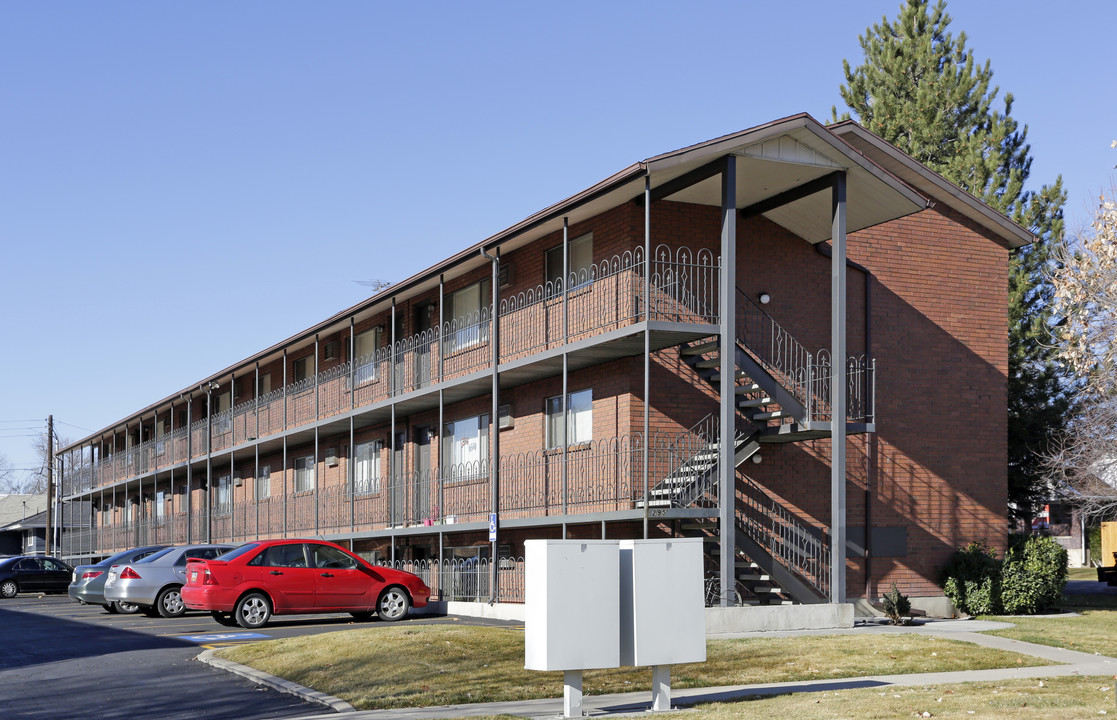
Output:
x,y
223,504
469,315
128,505
324,556
263,482
466,445
263,384
281,556
160,507
303,368
364,363
579,428
304,473
580,263
366,468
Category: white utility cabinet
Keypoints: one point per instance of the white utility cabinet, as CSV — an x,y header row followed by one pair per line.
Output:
x,y
662,610
572,603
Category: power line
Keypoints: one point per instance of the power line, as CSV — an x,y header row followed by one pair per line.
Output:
x,y
77,427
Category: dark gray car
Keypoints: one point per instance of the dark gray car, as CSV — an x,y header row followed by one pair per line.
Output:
x,y
87,585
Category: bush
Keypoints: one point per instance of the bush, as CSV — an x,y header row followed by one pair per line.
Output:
x,y
896,605
972,579
1033,574
1094,533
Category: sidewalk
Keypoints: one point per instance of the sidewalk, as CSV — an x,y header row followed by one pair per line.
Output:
x,y
1065,662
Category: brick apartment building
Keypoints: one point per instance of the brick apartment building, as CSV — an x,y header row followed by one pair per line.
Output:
x,y
615,413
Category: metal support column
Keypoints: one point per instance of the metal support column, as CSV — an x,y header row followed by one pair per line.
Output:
x,y
317,415
494,429
838,393
208,494
565,372
727,302
189,469
647,340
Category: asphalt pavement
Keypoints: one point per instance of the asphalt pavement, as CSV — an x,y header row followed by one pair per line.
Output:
x,y
59,659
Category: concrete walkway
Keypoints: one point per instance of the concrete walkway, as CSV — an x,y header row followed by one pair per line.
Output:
x,y
1064,662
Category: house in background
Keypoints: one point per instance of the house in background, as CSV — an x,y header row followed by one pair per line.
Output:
x,y
651,357
15,512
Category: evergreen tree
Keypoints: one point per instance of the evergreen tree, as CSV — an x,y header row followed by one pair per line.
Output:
x,y
920,89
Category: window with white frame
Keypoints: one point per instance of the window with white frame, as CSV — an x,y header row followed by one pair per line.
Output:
x,y
263,384
304,473
364,355
223,504
468,311
465,446
129,504
263,482
579,426
580,266
366,468
160,507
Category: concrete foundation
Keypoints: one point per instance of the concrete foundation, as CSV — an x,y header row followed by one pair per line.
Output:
x,y
778,617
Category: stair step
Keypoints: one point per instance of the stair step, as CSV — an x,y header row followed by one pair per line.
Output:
x,y
754,402
708,363
774,415
765,590
716,377
700,349
755,577
746,389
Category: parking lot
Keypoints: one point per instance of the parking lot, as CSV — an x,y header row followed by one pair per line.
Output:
x,y
62,659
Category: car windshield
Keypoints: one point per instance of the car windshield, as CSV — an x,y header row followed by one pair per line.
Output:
x,y
237,552
153,556
116,559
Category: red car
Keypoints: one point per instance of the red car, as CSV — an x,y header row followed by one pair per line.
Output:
x,y
248,585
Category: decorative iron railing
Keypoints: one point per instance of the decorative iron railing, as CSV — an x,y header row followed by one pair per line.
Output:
x,y
466,579
608,295
790,542
806,375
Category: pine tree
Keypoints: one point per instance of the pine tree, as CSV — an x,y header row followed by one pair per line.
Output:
x,y
920,88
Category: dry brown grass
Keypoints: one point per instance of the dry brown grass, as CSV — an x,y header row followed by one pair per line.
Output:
x,y
413,664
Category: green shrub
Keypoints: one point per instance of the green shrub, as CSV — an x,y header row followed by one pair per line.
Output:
x,y
1094,533
896,606
972,579
1033,574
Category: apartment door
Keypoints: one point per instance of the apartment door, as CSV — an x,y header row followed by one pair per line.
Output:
x,y
421,488
398,483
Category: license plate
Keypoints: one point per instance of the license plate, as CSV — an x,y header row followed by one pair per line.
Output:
x,y
112,577
193,575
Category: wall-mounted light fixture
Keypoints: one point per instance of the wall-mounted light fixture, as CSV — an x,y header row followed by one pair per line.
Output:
x,y
756,459
214,385
765,298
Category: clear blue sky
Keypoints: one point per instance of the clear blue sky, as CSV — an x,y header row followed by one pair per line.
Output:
x,y
184,184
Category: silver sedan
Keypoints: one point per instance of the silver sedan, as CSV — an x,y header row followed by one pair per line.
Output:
x,y
88,583
155,582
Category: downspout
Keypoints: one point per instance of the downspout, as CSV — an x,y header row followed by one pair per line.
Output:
x,y
870,444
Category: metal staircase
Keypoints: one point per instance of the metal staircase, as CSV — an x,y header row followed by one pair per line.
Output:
x,y
782,395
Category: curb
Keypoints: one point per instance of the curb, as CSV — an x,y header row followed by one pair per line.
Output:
x,y
262,678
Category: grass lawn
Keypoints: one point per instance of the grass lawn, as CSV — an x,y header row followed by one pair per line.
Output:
x,y
418,664
1094,630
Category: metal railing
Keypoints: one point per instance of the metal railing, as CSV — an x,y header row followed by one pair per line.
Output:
x,y
806,375
466,579
792,543
606,296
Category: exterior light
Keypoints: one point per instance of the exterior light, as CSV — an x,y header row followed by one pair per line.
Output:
x,y
765,298
756,459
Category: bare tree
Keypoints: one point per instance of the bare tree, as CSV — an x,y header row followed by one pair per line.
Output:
x,y
6,474
1084,463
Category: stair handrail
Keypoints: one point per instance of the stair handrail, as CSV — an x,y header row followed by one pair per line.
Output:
x,y
787,540
804,374
775,348
684,449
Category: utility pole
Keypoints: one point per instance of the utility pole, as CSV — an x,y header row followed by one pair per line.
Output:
x,y
50,476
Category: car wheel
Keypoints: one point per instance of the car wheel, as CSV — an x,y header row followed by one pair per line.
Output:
x,y
393,604
126,608
169,602
8,589
110,608
224,618
362,616
253,611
